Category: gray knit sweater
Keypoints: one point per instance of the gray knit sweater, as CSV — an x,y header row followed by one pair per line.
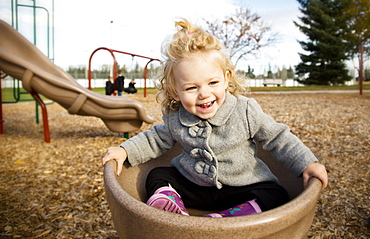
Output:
x,y
221,150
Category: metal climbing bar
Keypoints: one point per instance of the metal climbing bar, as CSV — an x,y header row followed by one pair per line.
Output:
x,y
1,106
44,116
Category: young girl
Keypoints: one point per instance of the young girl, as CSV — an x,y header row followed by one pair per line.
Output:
x,y
218,130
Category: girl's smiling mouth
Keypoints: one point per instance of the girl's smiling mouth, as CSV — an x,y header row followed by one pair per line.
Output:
x,y
206,105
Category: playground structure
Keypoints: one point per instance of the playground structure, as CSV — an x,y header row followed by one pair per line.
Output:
x,y
132,218
22,60
115,64
16,13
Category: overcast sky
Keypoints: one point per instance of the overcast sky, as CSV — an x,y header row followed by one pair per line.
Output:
x,y
140,27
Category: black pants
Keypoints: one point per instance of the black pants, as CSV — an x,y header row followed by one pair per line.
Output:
x,y
268,194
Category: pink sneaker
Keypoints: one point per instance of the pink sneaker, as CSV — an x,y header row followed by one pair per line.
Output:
x,y
167,199
247,208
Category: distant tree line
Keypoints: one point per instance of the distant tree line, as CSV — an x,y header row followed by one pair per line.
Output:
x,y
105,70
283,73
137,73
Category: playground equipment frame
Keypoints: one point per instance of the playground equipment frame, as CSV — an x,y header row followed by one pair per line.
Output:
x,y
115,64
15,23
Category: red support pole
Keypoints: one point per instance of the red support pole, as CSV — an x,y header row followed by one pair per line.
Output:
x,y
145,79
89,73
361,66
145,70
1,106
114,75
44,116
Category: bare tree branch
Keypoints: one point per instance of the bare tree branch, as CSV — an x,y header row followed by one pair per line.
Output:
x,y
242,33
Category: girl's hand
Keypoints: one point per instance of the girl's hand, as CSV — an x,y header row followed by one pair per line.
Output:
x,y
315,170
118,154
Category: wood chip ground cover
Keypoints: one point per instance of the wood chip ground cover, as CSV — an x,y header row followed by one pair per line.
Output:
x,y
56,190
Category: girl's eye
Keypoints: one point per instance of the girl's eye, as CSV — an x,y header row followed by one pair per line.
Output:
x,y
213,82
191,88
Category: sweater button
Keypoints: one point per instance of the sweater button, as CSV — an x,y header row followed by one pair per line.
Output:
x,y
201,153
202,168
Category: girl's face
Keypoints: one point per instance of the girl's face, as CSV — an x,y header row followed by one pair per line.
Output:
x,y
201,85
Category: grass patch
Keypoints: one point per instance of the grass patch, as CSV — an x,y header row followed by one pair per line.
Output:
x,y
366,86
13,95
10,95
139,90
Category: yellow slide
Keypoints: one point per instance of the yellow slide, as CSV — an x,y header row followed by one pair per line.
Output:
x,y
22,60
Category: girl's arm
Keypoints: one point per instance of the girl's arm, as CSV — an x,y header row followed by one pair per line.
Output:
x,y
141,148
285,146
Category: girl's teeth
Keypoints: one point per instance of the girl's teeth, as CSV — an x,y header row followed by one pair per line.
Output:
x,y
206,105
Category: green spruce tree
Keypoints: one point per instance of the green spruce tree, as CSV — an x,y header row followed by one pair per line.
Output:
x,y
324,25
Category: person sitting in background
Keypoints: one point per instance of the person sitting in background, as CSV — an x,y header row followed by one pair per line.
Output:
x,y
131,87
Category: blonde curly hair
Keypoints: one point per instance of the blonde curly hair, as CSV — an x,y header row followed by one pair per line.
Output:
x,y
186,41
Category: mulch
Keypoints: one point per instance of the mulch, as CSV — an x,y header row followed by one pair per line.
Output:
x,y
56,190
